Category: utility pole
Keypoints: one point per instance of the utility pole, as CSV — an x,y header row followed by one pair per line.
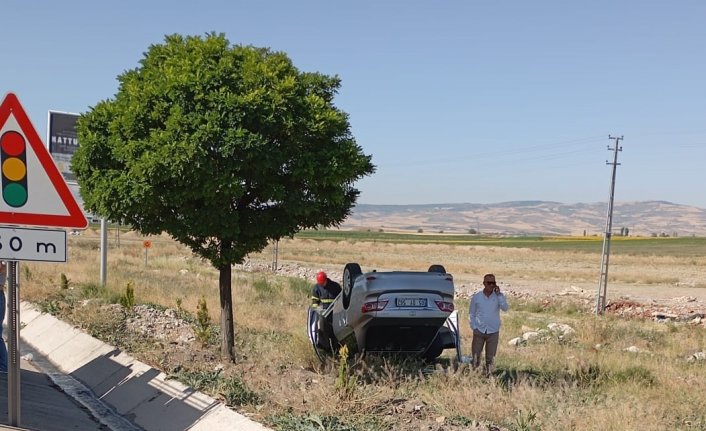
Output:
x,y
603,282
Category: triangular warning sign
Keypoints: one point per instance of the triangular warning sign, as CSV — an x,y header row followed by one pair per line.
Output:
x,y
32,190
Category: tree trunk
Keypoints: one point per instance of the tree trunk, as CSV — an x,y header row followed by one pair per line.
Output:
x,y
227,331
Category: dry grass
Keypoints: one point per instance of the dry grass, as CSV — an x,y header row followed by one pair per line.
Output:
x,y
524,269
557,384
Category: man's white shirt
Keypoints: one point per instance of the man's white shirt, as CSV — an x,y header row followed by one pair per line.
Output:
x,y
484,311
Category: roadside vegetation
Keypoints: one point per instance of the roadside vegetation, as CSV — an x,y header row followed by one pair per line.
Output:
x,y
587,380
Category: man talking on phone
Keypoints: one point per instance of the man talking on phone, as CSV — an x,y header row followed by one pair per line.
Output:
x,y
484,317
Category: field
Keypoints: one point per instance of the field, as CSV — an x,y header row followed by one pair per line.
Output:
x,y
584,381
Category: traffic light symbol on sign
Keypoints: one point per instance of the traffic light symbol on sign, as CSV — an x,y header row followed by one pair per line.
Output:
x,y
13,156
42,200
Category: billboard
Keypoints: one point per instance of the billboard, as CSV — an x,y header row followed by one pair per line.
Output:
x,y
63,141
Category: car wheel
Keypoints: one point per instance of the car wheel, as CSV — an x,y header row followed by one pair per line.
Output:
x,y
350,272
315,334
437,268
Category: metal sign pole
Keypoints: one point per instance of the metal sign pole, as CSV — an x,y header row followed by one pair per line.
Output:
x,y
13,375
52,204
104,251
275,253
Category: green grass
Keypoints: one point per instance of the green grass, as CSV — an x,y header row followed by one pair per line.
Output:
x,y
290,422
300,287
232,388
644,246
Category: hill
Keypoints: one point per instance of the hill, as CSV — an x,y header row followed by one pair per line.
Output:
x,y
648,218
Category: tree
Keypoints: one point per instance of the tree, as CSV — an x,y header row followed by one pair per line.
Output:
x,y
224,147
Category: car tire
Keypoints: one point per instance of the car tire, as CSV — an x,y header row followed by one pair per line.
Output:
x,y
437,268
350,272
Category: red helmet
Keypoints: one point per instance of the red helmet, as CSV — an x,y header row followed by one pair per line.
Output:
x,y
321,278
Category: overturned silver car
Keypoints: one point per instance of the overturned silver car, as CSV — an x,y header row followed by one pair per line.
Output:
x,y
403,312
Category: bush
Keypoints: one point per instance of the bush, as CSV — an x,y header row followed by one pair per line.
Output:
x,y
203,330
128,299
346,381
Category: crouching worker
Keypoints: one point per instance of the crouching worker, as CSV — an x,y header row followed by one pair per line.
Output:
x,y
322,296
324,292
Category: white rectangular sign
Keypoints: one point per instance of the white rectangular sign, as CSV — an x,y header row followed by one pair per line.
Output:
x,y
44,245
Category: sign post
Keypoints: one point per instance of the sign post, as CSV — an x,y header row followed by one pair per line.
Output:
x,y
147,244
13,344
32,193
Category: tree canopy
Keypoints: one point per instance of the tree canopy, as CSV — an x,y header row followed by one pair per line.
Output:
x,y
224,147
212,142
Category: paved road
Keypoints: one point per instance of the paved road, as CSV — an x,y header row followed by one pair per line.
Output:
x,y
43,405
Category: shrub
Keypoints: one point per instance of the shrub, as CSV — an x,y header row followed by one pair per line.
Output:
x,y
27,272
128,299
64,283
346,382
203,330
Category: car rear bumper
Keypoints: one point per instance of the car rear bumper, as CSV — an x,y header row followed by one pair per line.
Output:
x,y
399,334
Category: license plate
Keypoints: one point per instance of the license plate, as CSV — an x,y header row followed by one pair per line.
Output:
x,y
411,302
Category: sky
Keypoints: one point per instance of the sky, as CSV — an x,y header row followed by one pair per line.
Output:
x,y
456,101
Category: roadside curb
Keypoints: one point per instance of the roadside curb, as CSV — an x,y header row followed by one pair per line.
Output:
x,y
130,388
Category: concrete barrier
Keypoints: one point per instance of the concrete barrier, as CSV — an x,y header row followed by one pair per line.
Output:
x,y
132,389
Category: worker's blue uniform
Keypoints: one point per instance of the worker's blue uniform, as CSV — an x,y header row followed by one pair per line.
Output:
x,y
324,295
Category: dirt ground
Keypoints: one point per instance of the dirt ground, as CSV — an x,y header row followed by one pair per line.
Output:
x,y
650,302
656,288
676,289
676,300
